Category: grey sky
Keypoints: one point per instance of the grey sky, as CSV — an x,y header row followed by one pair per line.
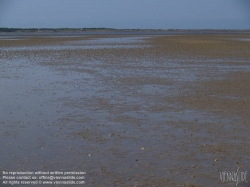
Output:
x,y
163,14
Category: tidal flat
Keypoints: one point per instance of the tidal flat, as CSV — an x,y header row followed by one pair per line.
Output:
x,y
130,111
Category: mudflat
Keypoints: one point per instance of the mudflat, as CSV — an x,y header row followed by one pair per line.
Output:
x,y
127,110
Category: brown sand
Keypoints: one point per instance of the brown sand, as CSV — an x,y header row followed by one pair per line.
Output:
x,y
162,111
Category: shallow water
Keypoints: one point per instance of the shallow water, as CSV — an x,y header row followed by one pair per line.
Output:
x,y
114,118
100,43
244,39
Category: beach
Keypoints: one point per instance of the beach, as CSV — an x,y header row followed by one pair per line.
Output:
x,y
129,110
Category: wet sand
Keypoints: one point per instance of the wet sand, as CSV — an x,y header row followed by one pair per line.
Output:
x,y
128,110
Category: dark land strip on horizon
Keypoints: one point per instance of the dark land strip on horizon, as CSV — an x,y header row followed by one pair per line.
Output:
x,y
111,31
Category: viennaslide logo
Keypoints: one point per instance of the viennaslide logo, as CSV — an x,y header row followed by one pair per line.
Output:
x,y
233,176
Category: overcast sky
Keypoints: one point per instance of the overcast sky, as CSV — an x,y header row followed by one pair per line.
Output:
x,y
156,14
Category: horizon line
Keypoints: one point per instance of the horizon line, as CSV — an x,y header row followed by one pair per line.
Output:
x,y
104,28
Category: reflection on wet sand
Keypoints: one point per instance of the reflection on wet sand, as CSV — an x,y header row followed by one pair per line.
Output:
x,y
129,111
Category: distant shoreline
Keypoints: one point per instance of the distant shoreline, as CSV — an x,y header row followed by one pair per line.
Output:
x,y
5,29
110,31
